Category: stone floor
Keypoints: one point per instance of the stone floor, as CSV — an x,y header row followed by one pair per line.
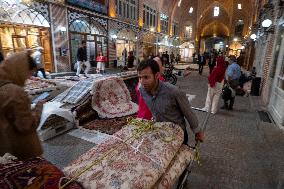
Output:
x,y
240,151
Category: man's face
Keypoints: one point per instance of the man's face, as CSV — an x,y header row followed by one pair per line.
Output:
x,y
147,79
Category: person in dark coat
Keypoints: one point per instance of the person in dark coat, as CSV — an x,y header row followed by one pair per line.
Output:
x,y
1,57
201,63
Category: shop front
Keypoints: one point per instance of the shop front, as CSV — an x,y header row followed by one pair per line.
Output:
x,y
235,49
149,44
186,52
276,104
24,27
86,28
125,43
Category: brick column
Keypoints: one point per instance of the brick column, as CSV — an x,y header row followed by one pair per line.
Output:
x,y
60,39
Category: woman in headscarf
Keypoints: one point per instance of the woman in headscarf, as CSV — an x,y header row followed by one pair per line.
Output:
x,y
215,85
18,123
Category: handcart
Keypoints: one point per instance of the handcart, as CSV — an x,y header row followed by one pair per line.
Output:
x,y
187,171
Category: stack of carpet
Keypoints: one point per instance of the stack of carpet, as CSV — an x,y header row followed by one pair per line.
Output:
x,y
33,173
135,157
108,107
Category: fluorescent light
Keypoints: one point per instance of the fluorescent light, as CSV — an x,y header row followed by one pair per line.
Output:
x,y
227,45
216,11
113,36
221,42
179,3
152,29
239,6
63,29
235,39
266,23
253,36
190,10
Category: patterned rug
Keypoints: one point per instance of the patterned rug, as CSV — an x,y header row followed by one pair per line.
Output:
x,y
111,98
136,163
108,126
35,173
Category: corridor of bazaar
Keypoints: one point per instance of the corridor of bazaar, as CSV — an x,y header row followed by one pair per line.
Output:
x,y
138,94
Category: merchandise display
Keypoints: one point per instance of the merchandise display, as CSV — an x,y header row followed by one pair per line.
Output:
x,y
36,85
129,159
111,98
33,173
179,163
108,126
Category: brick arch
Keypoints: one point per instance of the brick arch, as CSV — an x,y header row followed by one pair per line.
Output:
x,y
215,27
208,18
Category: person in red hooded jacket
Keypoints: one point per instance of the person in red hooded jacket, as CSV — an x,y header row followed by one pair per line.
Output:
x,y
215,85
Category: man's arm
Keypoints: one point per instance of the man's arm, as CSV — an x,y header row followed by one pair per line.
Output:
x,y
185,107
189,115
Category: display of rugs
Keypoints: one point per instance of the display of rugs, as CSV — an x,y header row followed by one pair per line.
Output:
x,y
111,98
180,162
119,163
85,113
108,126
78,91
35,85
35,173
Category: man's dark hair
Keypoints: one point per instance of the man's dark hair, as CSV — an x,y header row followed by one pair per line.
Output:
x,y
149,63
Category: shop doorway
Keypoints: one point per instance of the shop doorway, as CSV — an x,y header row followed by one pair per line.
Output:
x,y
16,38
94,43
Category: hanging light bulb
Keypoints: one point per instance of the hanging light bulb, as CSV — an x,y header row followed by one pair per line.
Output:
x,y
253,36
266,23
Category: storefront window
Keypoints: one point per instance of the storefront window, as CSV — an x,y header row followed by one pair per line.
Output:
x,y
80,26
18,38
281,72
164,23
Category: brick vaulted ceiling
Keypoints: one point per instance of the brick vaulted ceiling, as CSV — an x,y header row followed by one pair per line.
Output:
x,y
203,22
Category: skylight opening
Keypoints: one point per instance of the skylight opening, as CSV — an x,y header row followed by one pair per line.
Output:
x,y
216,11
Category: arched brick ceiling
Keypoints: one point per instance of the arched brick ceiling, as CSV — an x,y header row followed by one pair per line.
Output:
x,y
207,18
229,14
215,28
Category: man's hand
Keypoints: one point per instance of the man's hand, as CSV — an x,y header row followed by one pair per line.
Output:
x,y
199,137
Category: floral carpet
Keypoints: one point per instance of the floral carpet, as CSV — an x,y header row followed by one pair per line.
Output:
x,y
111,98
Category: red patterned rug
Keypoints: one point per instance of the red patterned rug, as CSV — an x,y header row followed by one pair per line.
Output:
x,y
108,126
35,173
111,98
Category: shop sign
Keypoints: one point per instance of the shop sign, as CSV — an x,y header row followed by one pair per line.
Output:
x,y
94,5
